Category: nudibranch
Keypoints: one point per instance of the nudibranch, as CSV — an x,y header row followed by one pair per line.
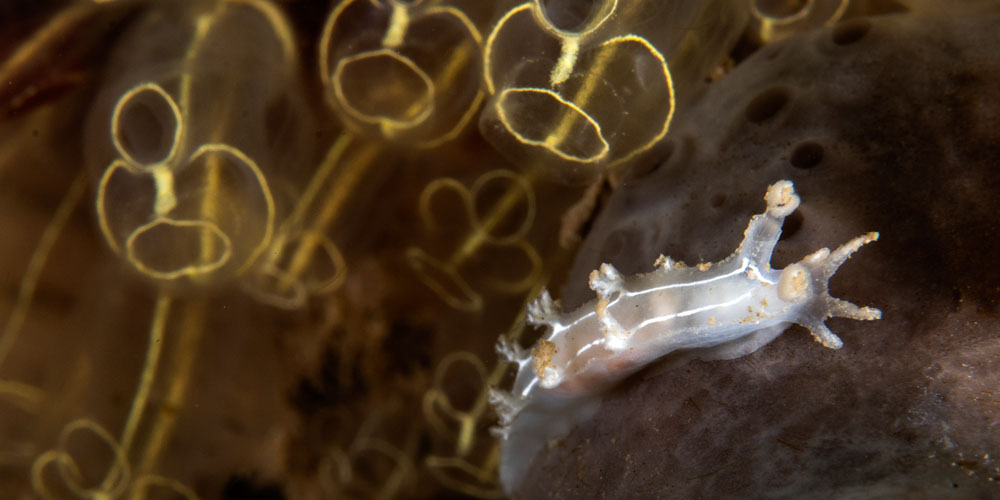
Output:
x,y
724,310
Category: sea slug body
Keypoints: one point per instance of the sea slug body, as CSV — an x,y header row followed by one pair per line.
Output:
x,y
725,310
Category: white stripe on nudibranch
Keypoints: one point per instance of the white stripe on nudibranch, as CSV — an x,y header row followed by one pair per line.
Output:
x,y
726,310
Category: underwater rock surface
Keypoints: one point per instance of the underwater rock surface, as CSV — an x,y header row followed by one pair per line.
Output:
x,y
888,124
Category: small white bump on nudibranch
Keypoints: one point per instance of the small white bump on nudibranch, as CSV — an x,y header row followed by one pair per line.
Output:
x,y
795,284
543,310
543,355
781,199
510,351
506,405
606,281
663,262
615,337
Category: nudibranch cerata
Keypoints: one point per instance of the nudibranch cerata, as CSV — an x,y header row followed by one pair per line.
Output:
x,y
725,310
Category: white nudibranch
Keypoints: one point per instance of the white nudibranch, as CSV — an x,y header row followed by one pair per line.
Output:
x,y
725,310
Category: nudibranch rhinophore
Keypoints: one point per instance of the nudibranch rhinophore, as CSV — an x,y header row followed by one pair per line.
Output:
x,y
725,310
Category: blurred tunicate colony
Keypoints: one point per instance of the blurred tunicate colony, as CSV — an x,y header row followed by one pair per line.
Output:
x,y
263,249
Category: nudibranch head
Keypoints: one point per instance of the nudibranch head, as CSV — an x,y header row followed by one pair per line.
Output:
x,y
795,284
